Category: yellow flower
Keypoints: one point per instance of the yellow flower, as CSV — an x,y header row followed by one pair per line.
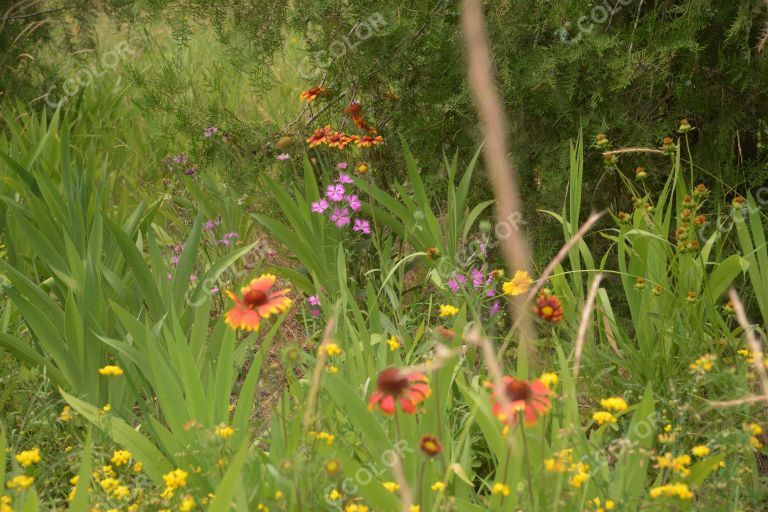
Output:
x,y
356,507
393,343
19,482
109,484
5,504
448,310
600,507
672,490
703,364
328,438
138,467
331,349
279,495
414,508
262,507
391,486
499,488
175,479
519,284
700,450
616,404
105,409
677,464
112,370
333,370
581,476
755,429
121,492
438,486
66,414
120,457
187,504
224,431
755,443
29,457
334,495
549,379
601,417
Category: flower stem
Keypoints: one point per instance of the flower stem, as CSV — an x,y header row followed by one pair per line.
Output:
x,y
527,460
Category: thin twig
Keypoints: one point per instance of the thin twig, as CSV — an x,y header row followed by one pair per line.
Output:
x,y
317,375
586,316
758,359
621,151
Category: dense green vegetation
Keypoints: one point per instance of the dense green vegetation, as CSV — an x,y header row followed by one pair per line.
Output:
x,y
209,301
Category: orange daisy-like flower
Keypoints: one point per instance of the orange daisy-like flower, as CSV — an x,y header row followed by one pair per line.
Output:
x,y
257,303
392,385
311,94
367,141
548,307
530,398
338,140
320,136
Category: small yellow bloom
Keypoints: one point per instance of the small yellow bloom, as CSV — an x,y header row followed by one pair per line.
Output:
x,y
175,479
755,429
279,495
700,450
414,508
334,495
109,484
549,379
105,409
331,349
111,370
499,488
66,414
29,457
448,310
518,285
187,504
391,486
224,431
615,404
333,370
120,457
121,492
138,467
356,507
602,417
438,486
672,490
393,343
20,482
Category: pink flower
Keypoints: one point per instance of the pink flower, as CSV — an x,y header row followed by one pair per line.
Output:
x,y
335,192
340,217
314,300
363,226
455,282
495,308
342,165
283,156
354,202
477,278
210,131
320,206
343,178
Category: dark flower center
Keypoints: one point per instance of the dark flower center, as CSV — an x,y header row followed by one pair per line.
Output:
x,y
255,298
392,382
518,390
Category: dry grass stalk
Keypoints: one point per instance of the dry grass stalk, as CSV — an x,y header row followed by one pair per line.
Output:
x,y
758,357
495,150
317,375
586,317
622,151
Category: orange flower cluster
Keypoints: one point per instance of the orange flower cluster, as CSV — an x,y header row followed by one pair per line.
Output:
x,y
340,140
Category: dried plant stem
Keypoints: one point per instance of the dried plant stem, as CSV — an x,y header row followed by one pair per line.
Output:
x,y
503,175
622,151
317,375
758,357
586,317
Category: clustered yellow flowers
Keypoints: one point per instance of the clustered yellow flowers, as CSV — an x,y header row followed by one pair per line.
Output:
x,y
28,457
600,506
331,349
187,504
391,486
549,379
672,490
518,285
701,450
754,440
393,343
581,476
356,507
175,479
703,364
438,486
499,488
563,462
111,370
66,414
20,482
323,436
224,431
610,405
120,457
677,464
448,310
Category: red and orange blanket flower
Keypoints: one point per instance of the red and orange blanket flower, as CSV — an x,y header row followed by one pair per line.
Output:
x,y
256,304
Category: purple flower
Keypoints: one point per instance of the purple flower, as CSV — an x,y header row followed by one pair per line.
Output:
x,y
314,312
190,171
320,206
180,159
342,165
210,131
335,192
495,308
340,217
230,235
477,278
214,290
363,226
175,259
354,202
344,178
283,156
456,281
209,225
314,300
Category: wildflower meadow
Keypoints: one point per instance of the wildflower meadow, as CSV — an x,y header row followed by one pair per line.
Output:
x,y
283,256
